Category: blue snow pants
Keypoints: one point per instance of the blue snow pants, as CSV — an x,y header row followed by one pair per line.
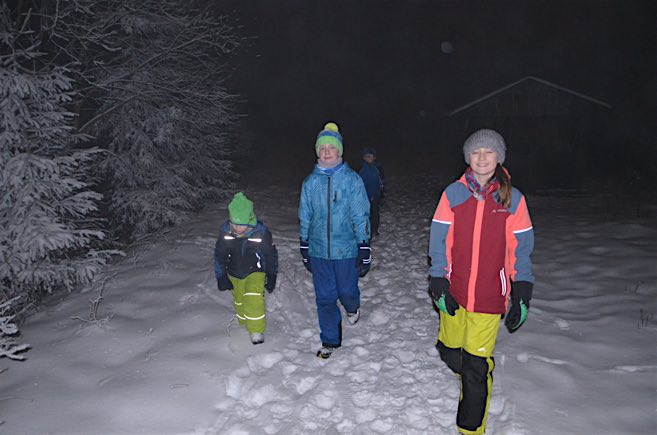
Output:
x,y
334,280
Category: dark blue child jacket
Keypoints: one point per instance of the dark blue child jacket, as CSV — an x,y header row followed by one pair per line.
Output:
x,y
372,175
240,256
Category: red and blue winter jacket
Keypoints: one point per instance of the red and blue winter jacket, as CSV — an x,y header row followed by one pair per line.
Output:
x,y
480,246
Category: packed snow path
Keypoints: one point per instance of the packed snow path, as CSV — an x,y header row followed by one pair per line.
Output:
x,y
163,357
386,378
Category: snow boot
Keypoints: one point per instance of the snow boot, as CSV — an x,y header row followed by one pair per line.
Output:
x,y
257,338
325,352
352,318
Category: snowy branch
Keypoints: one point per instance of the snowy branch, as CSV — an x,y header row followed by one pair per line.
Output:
x,y
9,348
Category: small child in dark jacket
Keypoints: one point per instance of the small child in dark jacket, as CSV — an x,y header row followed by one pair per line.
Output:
x,y
246,262
372,174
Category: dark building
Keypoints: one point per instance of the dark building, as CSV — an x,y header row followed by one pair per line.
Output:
x,y
553,133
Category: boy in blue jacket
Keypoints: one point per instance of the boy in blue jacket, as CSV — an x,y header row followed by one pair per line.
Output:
x,y
334,236
372,174
246,262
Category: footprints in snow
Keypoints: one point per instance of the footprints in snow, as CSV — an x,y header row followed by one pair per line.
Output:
x,y
387,378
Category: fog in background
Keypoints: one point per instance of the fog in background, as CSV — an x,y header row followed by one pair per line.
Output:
x,y
388,72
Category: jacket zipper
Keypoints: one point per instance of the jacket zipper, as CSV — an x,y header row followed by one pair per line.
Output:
x,y
328,222
476,254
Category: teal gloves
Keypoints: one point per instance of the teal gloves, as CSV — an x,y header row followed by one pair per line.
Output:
x,y
521,294
439,288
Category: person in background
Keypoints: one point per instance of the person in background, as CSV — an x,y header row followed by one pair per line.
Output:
x,y
372,174
246,262
480,244
334,236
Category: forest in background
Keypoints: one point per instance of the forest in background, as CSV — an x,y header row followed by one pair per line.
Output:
x,y
115,124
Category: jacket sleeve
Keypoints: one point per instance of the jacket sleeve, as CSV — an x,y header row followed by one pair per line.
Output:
x,y
305,212
270,252
220,257
360,210
440,239
520,244
382,179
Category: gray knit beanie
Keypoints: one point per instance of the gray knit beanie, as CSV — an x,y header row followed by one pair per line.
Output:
x,y
485,138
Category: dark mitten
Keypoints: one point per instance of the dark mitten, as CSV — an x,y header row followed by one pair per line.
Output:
x,y
303,248
223,283
364,258
270,284
521,294
439,288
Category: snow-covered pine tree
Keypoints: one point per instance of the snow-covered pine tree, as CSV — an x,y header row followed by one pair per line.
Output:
x,y
9,346
48,240
160,107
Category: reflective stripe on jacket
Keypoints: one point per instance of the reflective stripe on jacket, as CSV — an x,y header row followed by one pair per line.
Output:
x,y
239,256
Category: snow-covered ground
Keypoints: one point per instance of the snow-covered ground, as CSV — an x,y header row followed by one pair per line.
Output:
x,y
163,356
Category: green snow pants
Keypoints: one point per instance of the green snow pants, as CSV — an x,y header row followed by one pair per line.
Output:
x,y
249,301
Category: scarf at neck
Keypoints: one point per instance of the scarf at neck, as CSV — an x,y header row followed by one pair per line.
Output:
x,y
329,168
479,191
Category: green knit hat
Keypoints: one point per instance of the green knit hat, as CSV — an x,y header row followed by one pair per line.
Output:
x,y
240,210
329,135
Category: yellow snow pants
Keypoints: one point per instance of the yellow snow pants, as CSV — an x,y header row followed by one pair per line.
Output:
x,y
466,342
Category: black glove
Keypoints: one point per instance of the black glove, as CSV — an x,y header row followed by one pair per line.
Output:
x,y
271,282
439,288
303,248
521,294
364,258
223,283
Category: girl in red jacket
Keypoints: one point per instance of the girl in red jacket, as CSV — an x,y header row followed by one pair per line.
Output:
x,y
480,246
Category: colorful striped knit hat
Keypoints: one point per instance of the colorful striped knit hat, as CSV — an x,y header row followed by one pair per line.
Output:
x,y
329,135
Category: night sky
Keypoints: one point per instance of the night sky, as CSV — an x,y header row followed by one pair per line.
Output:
x,y
378,70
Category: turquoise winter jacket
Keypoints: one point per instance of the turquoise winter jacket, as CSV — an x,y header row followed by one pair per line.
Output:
x,y
334,213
